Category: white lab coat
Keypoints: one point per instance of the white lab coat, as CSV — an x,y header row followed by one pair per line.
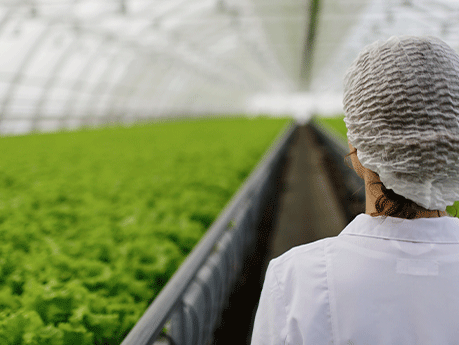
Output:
x,y
381,281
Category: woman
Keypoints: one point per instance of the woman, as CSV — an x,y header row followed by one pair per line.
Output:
x,y
392,275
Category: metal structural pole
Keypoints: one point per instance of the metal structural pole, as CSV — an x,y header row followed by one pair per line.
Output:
x,y
308,53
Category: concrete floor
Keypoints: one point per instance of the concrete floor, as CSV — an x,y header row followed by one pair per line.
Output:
x,y
308,207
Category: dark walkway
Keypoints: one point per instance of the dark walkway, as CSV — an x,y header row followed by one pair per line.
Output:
x,y
308,207
305,210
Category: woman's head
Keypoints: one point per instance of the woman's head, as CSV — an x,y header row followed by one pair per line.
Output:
x,y
401,102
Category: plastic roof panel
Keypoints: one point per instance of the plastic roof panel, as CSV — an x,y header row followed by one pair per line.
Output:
x,y
345,27
55,104
114,58
73,62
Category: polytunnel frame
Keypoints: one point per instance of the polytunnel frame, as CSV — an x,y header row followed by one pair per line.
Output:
x,y
18,75
79,82
51,80
220,253
234,74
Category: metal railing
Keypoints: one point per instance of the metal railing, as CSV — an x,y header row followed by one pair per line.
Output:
x,y
187,309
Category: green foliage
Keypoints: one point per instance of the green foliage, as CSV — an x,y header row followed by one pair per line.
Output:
x,y
94,222
453,210
335,123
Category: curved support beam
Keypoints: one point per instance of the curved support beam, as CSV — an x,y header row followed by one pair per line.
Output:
x,y
155,80
168,92
123,90
189,59
102,87
51,80
7,17
157,90
19,73
81,81
3,23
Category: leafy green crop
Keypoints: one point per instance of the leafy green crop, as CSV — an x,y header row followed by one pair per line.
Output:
x,y
337,125
94,222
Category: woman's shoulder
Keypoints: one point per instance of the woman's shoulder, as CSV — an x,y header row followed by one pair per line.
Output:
x,y
316,250
304,259
294,299
309,249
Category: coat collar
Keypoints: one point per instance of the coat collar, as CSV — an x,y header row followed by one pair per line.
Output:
x,y
427,230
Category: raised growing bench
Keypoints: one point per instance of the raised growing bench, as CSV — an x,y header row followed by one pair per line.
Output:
x,y
188,308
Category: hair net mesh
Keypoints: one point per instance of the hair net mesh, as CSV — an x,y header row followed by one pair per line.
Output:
x,y
401,103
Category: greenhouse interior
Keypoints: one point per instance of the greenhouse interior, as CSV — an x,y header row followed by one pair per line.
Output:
x,y
157,154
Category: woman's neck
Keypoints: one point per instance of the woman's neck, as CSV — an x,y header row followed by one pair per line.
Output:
x,y
373,192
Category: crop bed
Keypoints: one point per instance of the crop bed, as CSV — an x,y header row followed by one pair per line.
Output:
x,y
94,222
337,125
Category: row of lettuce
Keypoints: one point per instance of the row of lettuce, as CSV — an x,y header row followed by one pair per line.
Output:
x,y
94,222
337,125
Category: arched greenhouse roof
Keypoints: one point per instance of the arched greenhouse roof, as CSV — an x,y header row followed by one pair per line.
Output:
x,y
67,63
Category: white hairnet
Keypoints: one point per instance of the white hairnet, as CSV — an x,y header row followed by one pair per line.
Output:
x,y
401,104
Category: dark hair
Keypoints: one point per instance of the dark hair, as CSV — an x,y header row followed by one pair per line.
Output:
x,y
392,204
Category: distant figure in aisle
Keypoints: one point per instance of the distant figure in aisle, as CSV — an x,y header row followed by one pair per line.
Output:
x,y
392,275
